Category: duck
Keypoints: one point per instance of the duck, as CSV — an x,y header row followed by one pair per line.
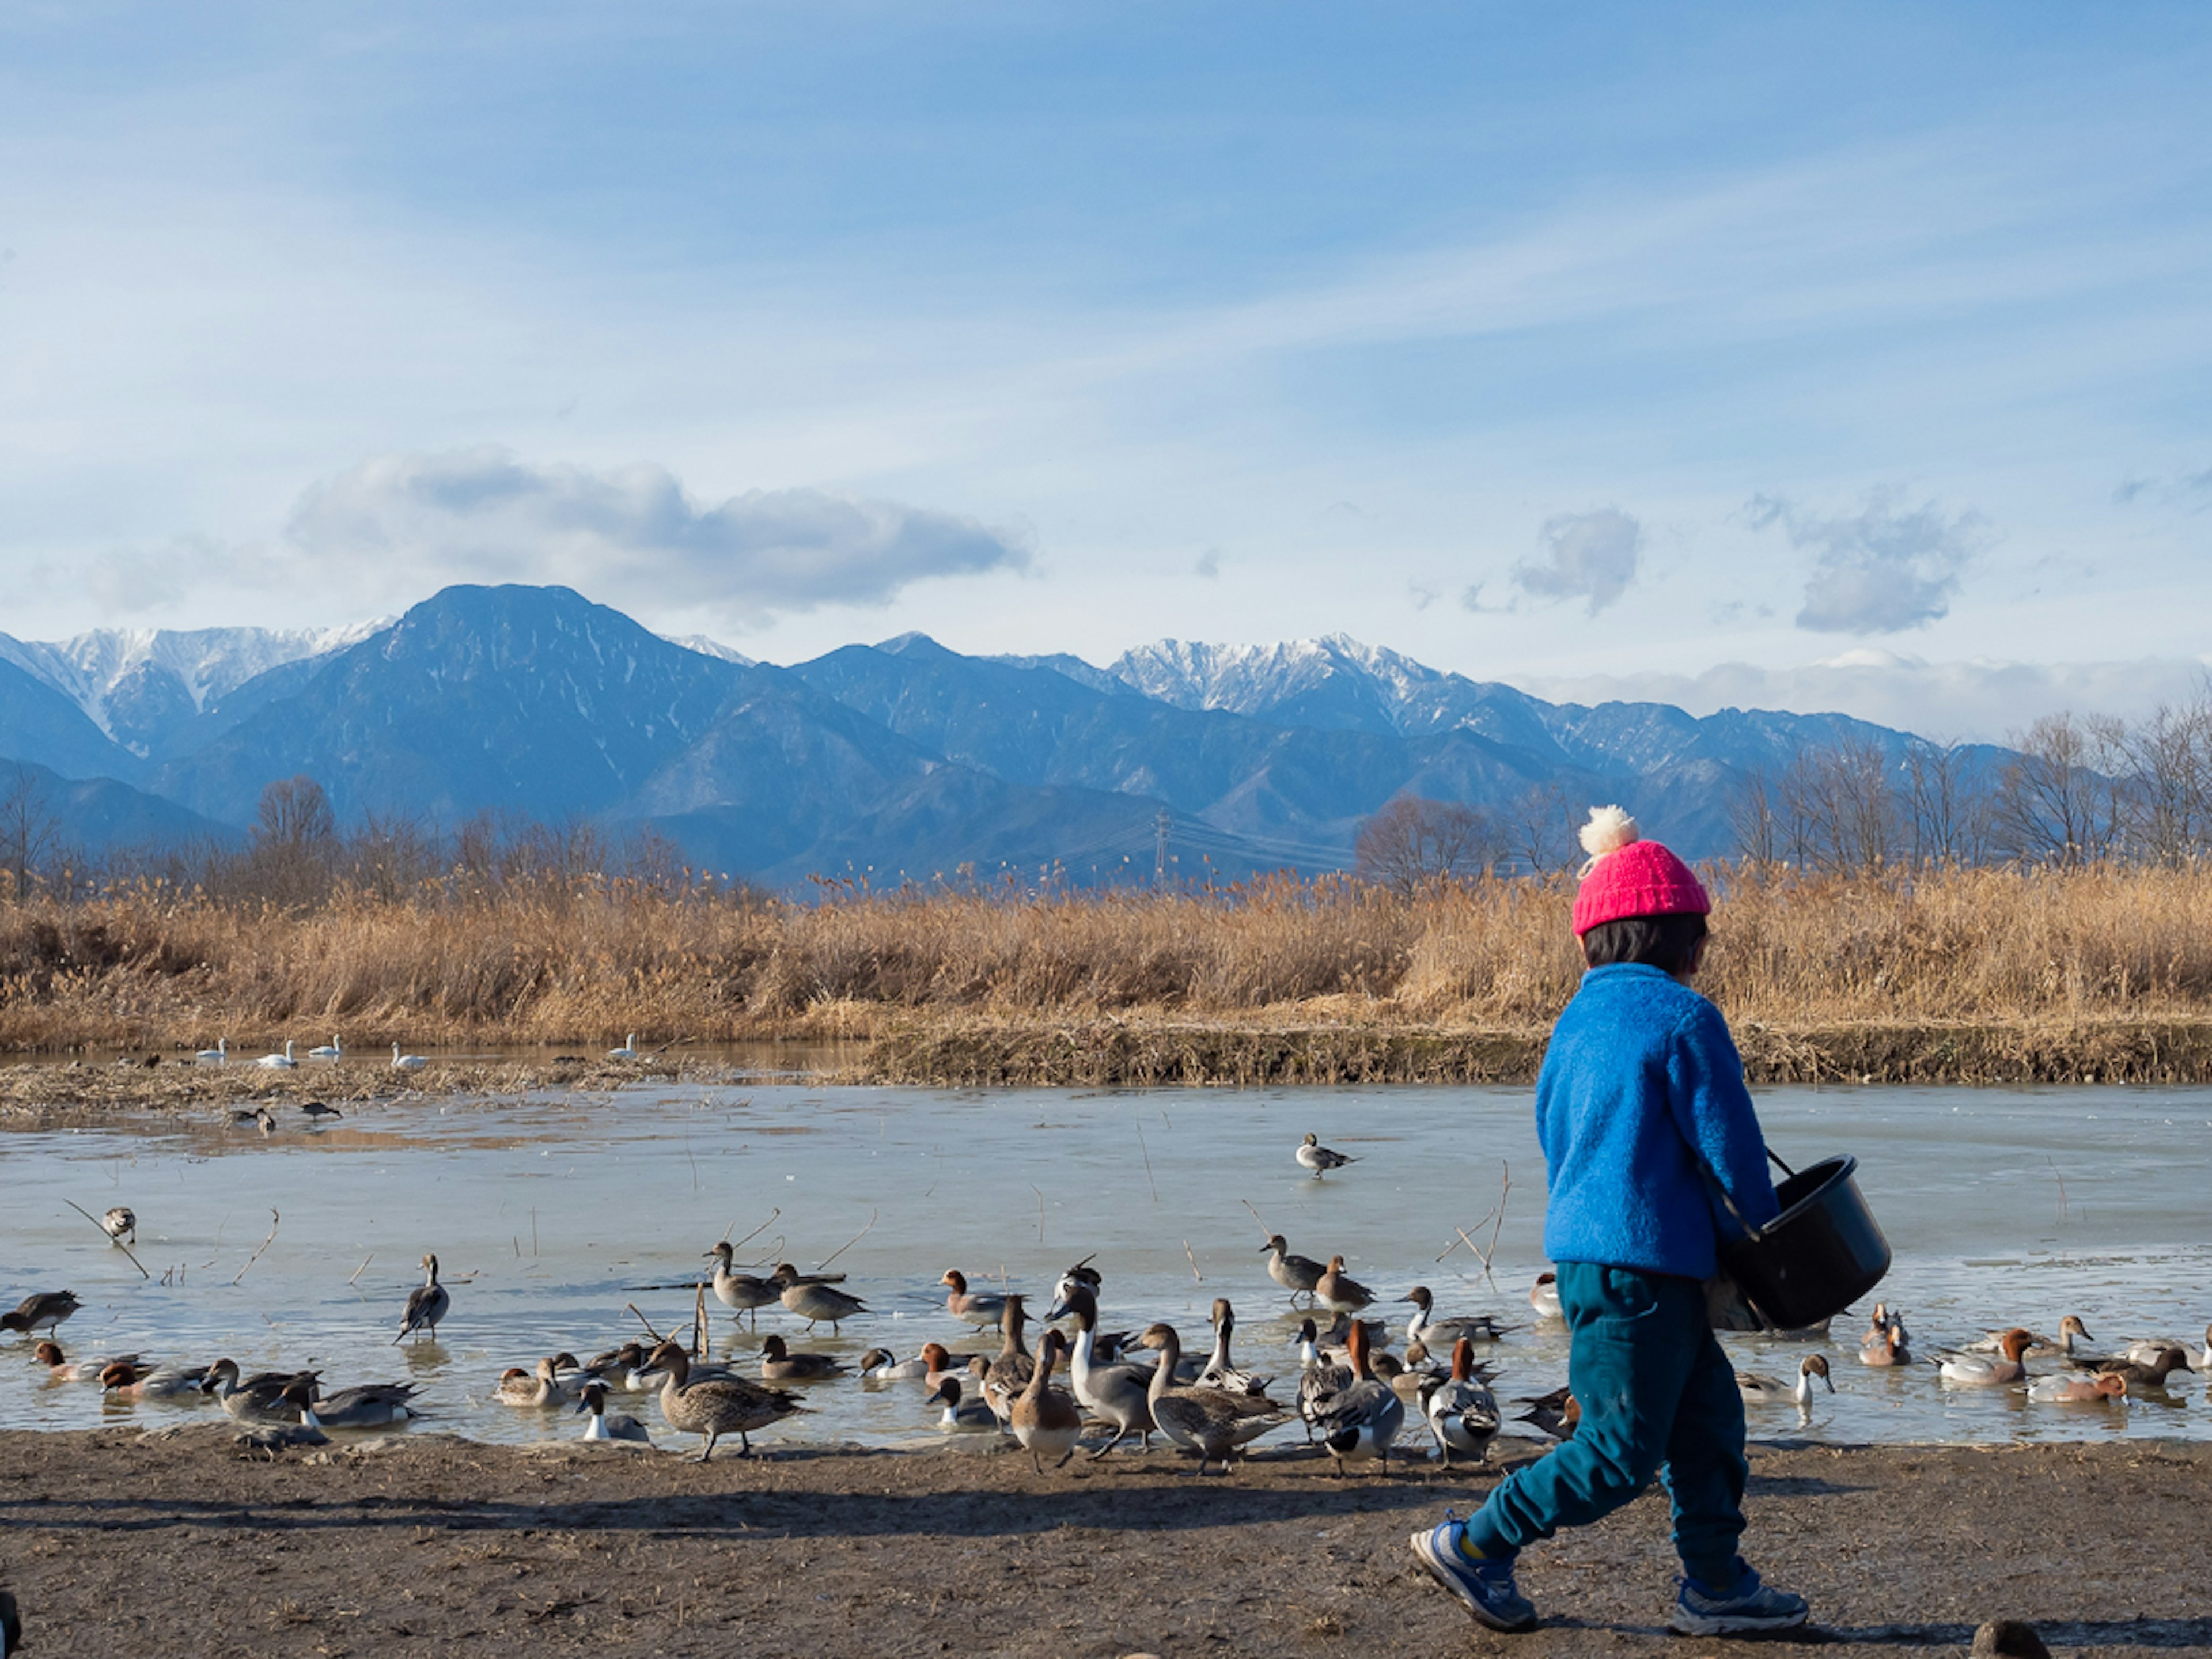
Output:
x,y
2143,1350
2079,1390
961,1416
282,1062
620,1426
1008,1371
627,1051
1117,1394
941,1364
879,1365
1220,1371
2142,1374
529,1389
1544,1298
1422,1328
1339,1333
1460,1411
1338,1291
330,1050
2070,1330
1885,1343
316,1110
1359,1421
124,1380
1405,1381
1556,1415
61,1369
45,1310
1319,1376
779,1364
1969,1371
1043,1418
259,1117
368,1406
815,1300
742,1293
1765,1390
407,1062
1312,1155
1211,1422
218,1055
982,1310
257,1398
120,1223
715,1405
428,1304
1298,1275
622,1369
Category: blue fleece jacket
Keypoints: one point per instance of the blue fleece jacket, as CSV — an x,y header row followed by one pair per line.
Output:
x,y
1641,1070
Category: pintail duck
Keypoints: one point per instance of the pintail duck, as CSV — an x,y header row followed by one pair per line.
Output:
x,y
1010,1368
1405,1381
1359,1421
2146,1351
620,1426
120,1223
1462,1412
370,1405
1298,1275
962,1416
1220,1371
282,1062
1556,1414
45,1310
331,1050
1971,1370
1428,1331
715,1405
258,1398
1312,1155
1044,1419
816,1299
1544,1298
1339,1291
427,1305
779,1364
2079,1390
520,1387
880,1365
2141,1374
622,1368
1765,1390
983,1310
1114,1393
2070,1330
126,1381
61,1369
742,1293
1211,1422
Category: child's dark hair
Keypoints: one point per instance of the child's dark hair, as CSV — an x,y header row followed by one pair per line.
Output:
x,y
1666,943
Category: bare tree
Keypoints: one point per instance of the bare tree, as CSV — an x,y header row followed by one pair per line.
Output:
x,y
1838,807
295,812
1754,818
2170,786
29,831
1946,804
1541,829
2058,800
1413,841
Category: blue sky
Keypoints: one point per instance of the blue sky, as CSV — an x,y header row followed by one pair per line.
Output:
x,y
1803,356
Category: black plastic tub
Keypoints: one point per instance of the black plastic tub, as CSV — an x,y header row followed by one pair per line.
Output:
x,y
1823,1253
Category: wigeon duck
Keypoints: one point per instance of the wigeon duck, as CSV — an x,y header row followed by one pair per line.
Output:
x,y
982,1308
1544,1297
2001,1369
1211,1422
125,1381
1339,1291
2079,1390
1461,1412
716,1405
61,1369
1312,1155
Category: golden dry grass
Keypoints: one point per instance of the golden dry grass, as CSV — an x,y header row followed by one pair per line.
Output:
x,y
577,962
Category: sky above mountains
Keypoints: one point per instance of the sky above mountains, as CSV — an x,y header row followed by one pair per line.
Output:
x,y
1818,358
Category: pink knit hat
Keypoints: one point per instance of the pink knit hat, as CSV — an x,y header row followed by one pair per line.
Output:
x,y
1627,877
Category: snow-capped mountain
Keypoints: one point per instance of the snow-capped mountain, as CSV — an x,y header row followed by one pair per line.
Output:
x,y
140,685
709,647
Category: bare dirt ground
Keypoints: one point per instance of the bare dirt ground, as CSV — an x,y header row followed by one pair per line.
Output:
x,y
185,1545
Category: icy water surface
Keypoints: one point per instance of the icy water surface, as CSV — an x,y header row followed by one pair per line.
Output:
x,y
549,1213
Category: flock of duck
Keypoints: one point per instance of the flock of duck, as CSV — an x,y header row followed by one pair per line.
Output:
x,y
1352,1396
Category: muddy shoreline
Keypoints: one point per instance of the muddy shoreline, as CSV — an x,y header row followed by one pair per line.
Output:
x,y
184,1543
1115,1053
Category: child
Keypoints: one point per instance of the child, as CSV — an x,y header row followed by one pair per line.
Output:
x,y
1640,1104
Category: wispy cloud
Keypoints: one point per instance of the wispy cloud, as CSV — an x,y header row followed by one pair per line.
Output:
x,y
484,512
1586,556
1878,570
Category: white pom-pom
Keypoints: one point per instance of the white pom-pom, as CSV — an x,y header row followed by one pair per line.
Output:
x,y
1608,830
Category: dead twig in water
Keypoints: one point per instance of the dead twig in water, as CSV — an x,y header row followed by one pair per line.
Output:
x,y
363,1268
1147,1151
1193,1259
699,1323
1505,1192
657,1337
275,1221
848,1244
141,1265
1247,1203
1039,1191
756,1233
1463,1232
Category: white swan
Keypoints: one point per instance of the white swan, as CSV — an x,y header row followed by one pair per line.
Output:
x,y
407,1062
627,1051
218,1055
330,1050
282,1062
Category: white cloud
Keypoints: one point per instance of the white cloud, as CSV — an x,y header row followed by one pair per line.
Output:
x,y
634,534
1588,555
1877,570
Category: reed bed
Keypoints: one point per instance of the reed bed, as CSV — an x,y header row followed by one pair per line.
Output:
x,y
2103,964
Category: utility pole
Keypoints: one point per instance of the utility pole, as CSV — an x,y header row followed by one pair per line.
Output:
x,y
1161,825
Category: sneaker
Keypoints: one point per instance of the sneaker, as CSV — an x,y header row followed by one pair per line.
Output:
x,y
1484,1587
1748,1605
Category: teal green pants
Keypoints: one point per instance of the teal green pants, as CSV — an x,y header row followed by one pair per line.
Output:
x,y
1658,1397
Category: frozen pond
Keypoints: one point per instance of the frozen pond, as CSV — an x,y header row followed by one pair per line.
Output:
x,y
549,1213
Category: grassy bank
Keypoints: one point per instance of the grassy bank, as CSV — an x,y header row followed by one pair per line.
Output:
x,y
1973,974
